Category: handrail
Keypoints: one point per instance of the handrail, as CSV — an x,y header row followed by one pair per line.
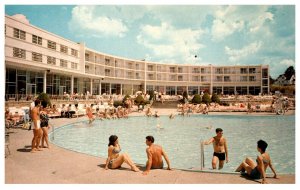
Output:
x,y
202,155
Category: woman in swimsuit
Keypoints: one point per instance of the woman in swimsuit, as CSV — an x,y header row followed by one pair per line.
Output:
x,y
115,159
258,171
44,124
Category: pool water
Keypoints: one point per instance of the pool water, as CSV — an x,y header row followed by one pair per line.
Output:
x,y
181,137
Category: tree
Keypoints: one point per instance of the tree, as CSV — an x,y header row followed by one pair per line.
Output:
x,y
152,95
44,97
139,100
196,99
271,80
206,98
215,98
289,72
185,97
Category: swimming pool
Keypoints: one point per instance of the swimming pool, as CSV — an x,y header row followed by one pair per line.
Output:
x,y
181,136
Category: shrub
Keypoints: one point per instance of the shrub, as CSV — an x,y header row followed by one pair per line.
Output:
x,y
139,100
125,98
152,95
206,99
44,97
118,103
215,98
196,99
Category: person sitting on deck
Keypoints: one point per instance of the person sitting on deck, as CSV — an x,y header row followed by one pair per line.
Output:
x,y
258,170
115,159
155,153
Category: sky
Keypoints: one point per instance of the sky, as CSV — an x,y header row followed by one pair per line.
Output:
x,y
183,34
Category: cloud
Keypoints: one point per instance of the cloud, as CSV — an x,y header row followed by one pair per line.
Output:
x,y
237,54
85,20
287,62
169,44
21,18
222,28
231,19
278,65
256,24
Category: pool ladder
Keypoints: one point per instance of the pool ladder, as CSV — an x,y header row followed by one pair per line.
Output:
x,y
201,155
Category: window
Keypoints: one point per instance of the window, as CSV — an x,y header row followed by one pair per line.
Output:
x,y
150,76
20,53
74,52
265,73
150,67
252,70
87,68
219,78
172,78
63,63
180,78
129,75
137,75
244,71
172,69
51,45
19,34
107,72
265,82
107,61
227,78
195,78
226,70
196,70
51,60
87,57
180,70
63,49
219,70
137,66
243,78
252,78
36,40
74,65
36,57
158,77
203,78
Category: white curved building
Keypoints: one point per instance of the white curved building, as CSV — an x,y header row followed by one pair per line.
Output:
x,y
38,61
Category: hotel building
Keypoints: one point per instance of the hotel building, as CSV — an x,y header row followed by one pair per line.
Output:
x,y
38,61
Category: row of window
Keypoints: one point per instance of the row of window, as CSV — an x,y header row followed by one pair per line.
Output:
x,y
21,53
39,41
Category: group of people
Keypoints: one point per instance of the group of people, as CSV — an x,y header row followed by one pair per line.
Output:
x,y
149,113
220,155
114,113
155,153
187,109
40,125
248,167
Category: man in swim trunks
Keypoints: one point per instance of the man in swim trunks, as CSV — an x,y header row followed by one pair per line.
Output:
x,y
154,154
220,149
37,131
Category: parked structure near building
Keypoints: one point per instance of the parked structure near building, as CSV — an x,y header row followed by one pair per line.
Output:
x,y
39,61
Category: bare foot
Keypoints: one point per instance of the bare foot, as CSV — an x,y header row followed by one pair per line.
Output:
x,y
136,169
33,150
38,149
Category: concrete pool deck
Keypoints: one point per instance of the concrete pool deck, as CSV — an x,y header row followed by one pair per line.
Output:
x,y
61,166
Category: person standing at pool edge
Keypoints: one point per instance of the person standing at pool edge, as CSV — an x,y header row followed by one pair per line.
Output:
x,y
154,154
220,149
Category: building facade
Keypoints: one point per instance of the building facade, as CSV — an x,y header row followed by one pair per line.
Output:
x,y
38,61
